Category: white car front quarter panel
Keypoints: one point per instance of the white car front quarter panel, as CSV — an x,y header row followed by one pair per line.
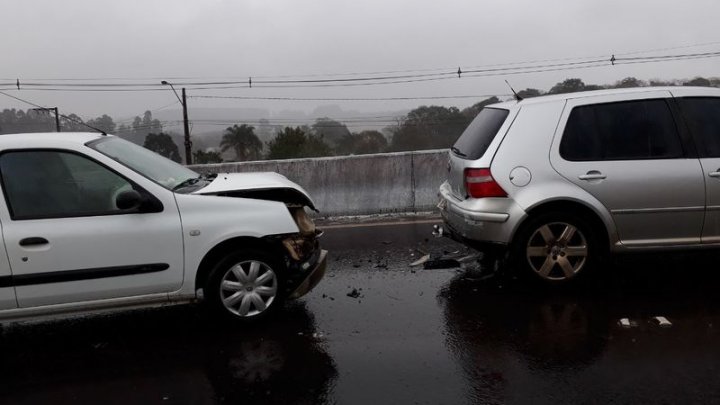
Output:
x,y
210,220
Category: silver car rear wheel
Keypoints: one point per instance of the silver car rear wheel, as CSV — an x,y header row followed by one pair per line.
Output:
x,y
557,251
248,288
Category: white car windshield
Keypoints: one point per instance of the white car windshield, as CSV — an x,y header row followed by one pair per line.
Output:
x,y
163,171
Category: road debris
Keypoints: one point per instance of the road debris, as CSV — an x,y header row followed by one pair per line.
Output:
x,y
448,260
420,261
441,263
662,321
355,293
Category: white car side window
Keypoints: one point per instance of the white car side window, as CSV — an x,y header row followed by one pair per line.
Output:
x,y
49,184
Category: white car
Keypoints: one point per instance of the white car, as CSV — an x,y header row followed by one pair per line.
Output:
x,y
93,223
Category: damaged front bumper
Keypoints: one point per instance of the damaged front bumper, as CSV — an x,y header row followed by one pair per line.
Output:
x,y
311,277
306,262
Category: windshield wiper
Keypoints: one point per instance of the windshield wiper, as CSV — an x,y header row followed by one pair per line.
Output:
x,y
193,180
187,182
457,152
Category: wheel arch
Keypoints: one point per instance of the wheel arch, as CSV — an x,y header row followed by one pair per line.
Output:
x,y
596,220
214,255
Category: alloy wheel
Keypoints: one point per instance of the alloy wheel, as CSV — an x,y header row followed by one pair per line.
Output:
x,y
557,251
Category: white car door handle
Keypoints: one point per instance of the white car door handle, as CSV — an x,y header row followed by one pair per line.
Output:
x,y
592,175
714,174
33,241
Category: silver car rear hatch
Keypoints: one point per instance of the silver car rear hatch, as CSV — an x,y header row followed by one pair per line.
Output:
x,y
477,145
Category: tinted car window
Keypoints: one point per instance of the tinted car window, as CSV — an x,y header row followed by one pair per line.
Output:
x,y
703,118
475,140
43,184
643,129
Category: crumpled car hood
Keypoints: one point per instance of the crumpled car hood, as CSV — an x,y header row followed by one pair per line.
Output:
x,y
259,185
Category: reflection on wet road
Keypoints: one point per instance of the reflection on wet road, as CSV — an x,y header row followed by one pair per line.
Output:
x,y
169,356
378,331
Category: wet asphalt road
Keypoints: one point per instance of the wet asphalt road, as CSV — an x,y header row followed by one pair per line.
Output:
x,y
455,336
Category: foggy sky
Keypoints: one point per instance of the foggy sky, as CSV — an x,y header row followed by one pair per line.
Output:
x,y
212,39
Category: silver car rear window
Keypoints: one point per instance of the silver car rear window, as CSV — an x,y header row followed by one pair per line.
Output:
x,y
473,143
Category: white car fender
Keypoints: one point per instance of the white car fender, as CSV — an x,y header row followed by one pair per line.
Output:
x,y
210,220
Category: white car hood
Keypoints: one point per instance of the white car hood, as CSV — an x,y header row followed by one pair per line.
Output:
x,y
259,185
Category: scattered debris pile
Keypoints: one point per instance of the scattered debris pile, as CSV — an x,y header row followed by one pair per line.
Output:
x,y
355,293
447,260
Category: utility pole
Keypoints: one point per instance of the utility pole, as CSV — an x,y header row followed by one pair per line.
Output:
x,y
57,115
57,119
183,101
188,143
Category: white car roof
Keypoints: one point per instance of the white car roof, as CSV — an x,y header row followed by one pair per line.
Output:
x,y
594,93
47,139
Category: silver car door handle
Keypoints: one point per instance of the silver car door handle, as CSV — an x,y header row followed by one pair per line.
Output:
x,y
592,175
714,174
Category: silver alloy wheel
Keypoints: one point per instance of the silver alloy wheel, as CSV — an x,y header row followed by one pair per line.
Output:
x,y
248,288
557,251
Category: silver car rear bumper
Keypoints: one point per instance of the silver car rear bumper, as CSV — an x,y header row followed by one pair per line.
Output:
x,y
492,220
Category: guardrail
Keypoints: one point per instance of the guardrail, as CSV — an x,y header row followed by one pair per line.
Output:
x,y
359,185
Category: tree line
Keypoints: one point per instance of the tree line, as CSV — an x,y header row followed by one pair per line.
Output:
x,y
425,127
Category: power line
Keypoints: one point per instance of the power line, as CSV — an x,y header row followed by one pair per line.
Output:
x,y
368,125
139,128
151,110
21,100
443,70
666,57
362,81
61,115
348,98
670,48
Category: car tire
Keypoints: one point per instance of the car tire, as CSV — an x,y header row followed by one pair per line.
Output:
x,y
557,248
246,286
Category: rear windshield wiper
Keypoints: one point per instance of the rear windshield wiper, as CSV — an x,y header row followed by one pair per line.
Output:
x,y
457,152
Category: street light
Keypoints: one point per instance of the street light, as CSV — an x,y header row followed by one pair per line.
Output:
x,y
57,116
183,101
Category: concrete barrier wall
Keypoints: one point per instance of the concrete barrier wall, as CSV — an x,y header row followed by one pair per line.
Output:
x,y
359,185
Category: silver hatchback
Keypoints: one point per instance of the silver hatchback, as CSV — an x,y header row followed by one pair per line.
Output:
x,y
559,181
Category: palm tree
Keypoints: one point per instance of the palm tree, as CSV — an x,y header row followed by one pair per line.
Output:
x,y
243,141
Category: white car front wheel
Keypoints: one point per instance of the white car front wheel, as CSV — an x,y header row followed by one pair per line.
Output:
x,y
246,285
